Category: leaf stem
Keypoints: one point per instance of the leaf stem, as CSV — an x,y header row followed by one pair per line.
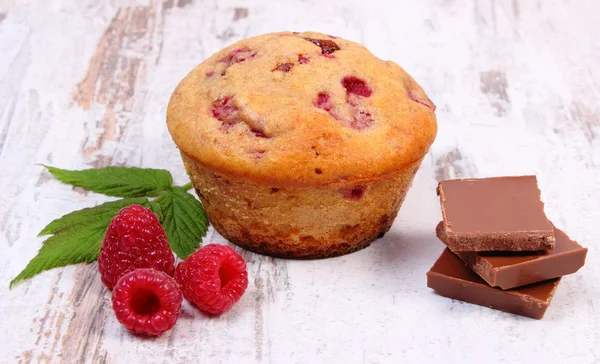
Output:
x,y
187,186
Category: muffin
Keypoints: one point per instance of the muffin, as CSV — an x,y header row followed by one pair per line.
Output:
x,y
300,145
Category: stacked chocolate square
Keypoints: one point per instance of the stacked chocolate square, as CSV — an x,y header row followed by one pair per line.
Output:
x,y
502,252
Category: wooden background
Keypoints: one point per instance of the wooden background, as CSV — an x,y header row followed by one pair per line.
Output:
x,y
85,83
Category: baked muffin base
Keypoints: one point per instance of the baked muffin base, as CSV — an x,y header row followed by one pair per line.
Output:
x,y
300,222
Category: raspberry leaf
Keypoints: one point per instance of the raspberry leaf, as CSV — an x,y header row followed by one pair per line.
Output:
x,y
117,181
87,216
77,237
156,208
184,220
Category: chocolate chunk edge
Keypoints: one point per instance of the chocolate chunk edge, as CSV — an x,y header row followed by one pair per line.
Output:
x,y
567,258
473,241
451,278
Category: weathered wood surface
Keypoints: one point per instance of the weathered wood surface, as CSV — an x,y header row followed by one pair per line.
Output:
x,y
85,83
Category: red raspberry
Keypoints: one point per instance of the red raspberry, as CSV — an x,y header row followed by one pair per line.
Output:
x,y
361,120
323,101
147,301
238,55
213,277
302,59
355,85
134,239
352,193
421,99
224,109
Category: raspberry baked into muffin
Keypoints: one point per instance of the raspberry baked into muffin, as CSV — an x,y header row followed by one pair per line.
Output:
x,y
300,145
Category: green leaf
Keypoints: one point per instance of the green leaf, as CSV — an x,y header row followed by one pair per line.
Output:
x,y
156,208
90,215
117,181
77,237
184,220
71,247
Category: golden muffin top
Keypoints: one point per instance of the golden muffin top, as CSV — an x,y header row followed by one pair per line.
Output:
x,y
301,109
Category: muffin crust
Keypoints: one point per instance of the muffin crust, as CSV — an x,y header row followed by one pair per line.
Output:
x,y
281,131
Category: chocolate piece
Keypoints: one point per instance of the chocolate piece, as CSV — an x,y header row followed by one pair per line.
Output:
x,y
450,277
513,269
501,213
327,46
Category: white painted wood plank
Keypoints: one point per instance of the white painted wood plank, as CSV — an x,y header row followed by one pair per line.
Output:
x,y
517,91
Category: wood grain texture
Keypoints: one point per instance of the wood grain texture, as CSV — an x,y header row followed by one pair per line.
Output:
x,y
85,83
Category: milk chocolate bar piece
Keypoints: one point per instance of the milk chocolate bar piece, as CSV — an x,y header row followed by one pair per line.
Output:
x,y
500,213
450,277
513,269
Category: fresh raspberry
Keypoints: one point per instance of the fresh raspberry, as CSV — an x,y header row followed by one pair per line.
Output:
x,y
134,239
213,277
147,301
